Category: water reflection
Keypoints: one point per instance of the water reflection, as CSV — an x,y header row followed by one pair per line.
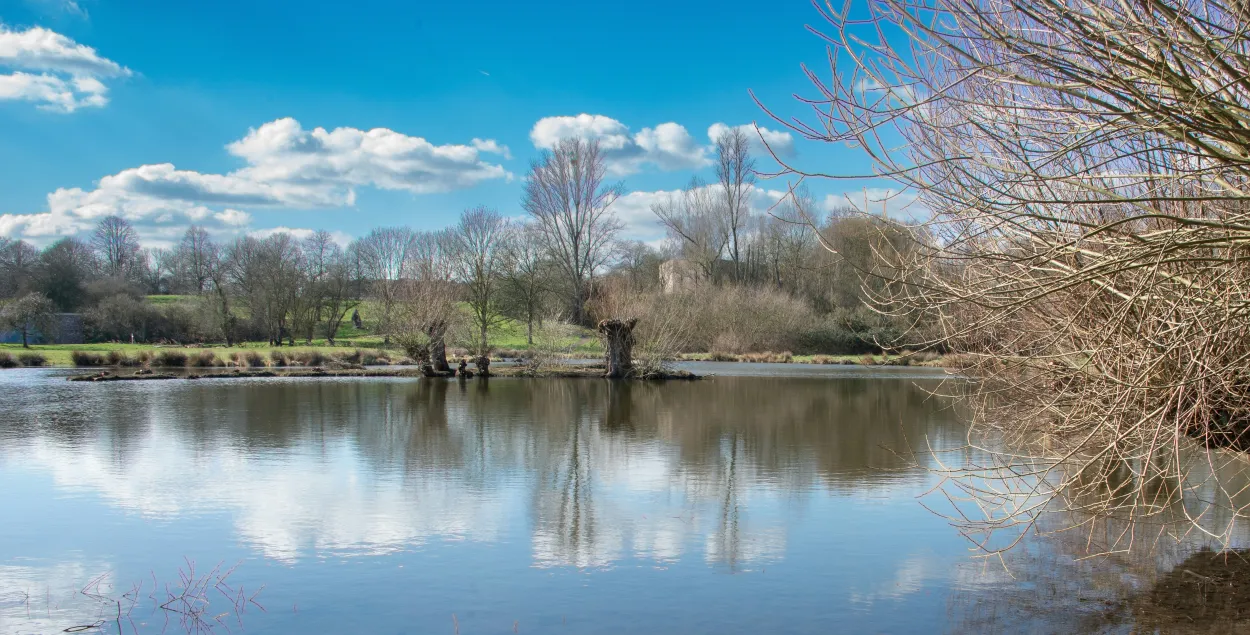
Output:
x,y
596,469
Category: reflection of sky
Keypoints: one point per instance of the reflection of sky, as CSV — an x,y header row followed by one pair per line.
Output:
x,y
528,522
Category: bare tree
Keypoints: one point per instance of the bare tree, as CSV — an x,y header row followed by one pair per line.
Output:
x,y
341,289
427,301
478,251
117,243
1086,167
194,256
526,274
695,218
570,204
33,312
18,263
735,171
383,254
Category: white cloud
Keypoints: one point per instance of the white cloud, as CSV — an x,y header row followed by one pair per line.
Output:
x,y
66,74
342,238
640,223
779,141
492,146
282,151
233,217
288,167
668,146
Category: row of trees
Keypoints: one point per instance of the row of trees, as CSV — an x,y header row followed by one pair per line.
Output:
x,y
423,287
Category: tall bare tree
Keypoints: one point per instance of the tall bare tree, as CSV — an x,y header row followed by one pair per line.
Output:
x,y
478,251
735,172
18,263
383,254
194,257
117,243
526,276
566,196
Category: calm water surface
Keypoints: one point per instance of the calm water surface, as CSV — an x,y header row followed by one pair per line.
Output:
x,y
739,504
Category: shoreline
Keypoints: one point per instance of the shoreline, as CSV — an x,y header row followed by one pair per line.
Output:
x,y
521,372
104,356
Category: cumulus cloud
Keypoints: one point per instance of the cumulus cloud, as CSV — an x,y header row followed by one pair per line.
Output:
x,y
53,71
342,238
668,146
779,141
640,223
288,168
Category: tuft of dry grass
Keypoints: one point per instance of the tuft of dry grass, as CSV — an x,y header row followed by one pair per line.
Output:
x,y
32,359
7,360
83,358
278,358
205,359
170,359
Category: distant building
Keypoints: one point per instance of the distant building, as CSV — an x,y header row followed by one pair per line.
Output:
x,y
678,274
69,330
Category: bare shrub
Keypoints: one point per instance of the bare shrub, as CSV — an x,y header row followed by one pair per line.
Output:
x,y
554,340
83,358
739,319
1085,168
205,359
278,358
32,359
247,359
170,359
119,358
310,357
7,360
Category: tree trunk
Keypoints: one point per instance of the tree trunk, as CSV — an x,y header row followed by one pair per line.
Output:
x,y
529,331
618,335
438,347
25,344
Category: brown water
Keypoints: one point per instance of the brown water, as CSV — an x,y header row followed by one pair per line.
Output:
x,y
781,502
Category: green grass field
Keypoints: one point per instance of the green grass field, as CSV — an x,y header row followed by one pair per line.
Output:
x,y
508,336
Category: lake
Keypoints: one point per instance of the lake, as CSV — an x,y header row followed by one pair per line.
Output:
x,y
766,499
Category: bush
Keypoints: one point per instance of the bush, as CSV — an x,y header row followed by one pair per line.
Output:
x,y
374,358
248,359
170,359
83,358
310,358
350,357
118,358
767,358
6,360
278,358
205,359
31,359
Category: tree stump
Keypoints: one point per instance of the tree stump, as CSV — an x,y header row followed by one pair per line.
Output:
x,y
618,338
483,365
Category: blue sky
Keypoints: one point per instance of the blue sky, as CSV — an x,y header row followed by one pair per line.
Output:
x,y
427,96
